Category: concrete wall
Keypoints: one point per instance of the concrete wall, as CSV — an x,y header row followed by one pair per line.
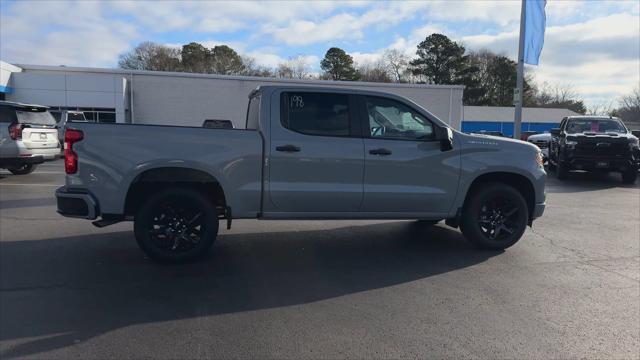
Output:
x,y
189,100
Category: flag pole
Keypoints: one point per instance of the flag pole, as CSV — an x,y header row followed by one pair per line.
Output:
x,y
517,121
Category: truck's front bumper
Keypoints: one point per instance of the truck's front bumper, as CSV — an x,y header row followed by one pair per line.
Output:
x,y
538,210
76,203
601,163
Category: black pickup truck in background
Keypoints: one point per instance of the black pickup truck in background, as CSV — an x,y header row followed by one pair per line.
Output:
x,y
594,143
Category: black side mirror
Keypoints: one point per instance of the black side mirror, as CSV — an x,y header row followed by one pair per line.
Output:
x,y
555,131
445,136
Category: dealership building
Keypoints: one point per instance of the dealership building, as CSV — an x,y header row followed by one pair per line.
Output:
x,y
170,98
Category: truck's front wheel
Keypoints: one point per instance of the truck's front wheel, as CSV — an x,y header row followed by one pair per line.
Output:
x,y
495,216
176,225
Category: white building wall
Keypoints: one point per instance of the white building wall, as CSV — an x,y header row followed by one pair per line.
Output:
x,y
189,100
69,89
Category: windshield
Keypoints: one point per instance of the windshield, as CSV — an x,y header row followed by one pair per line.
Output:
x,y
575,126
35,117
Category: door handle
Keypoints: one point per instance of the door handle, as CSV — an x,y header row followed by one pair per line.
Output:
x,y
381,152
288,148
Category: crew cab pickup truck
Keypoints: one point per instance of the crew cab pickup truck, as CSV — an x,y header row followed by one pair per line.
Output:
x,y
594,143
306,153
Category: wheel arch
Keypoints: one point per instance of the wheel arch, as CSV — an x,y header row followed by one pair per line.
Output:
x,y
520,182
156,179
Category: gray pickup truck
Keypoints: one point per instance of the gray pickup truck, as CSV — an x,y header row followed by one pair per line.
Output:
x,y
306,153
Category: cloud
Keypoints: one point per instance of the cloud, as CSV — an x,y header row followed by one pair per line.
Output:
x,y
44,35
599,57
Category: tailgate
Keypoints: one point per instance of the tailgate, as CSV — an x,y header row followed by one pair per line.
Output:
x,y
40,137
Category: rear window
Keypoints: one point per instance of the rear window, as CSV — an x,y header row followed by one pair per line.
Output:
x,y
35,116
322,114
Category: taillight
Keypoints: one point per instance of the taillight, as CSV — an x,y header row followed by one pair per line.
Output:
x,y
71,136
15,131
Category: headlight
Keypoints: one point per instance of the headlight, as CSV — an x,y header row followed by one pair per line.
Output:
x,y
571,144
633,143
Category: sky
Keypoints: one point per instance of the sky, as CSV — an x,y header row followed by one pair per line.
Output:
x,y
591,46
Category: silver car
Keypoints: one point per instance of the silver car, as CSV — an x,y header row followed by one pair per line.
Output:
x,y
28,136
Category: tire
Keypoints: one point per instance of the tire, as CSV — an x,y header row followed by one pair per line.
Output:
x,y
497,230
23,169
176,225
630,176
562,172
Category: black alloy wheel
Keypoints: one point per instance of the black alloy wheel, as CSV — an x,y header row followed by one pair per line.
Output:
x,y
498,218
176,225
495,216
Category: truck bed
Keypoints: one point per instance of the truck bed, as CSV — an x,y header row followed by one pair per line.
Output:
x,y
112,156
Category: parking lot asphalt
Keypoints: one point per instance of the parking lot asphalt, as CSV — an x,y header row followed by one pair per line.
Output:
x,y
334,289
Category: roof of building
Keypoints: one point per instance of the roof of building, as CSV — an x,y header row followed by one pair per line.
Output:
x,y
28,67
506,114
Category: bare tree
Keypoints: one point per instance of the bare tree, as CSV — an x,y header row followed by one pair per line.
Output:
x,y
396,63
296,67
601,109
151,56
252,69
375,72
629,110
559,96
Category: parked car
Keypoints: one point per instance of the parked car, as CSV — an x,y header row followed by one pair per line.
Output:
x,y
67,116
542,142
28,137
594,143
302,155
524,136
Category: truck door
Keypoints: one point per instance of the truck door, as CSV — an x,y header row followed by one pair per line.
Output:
x,y
316,155
405,169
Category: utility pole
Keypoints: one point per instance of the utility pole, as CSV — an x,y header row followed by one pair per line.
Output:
x,y
519,92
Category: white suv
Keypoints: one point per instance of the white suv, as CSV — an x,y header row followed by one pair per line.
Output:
x,y
28,136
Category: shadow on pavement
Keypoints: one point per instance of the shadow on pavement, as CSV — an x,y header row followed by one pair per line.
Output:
x,y
25,203
70,290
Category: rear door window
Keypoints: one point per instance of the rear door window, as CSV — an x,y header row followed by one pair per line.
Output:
x,y
322,114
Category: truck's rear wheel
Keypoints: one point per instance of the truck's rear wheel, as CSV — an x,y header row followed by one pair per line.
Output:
x,y
23,169
176,225
495,216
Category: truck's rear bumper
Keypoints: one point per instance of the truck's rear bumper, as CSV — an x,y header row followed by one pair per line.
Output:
x,y
76,203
